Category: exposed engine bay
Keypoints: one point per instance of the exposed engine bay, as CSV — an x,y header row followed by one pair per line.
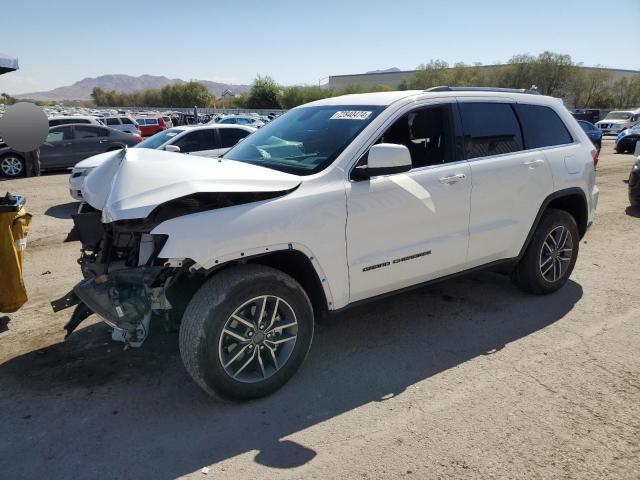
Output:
x,y
124,281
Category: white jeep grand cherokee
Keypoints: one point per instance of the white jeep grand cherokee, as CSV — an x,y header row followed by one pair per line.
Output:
x,y
336,202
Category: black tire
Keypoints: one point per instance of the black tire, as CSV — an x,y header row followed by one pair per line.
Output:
x,y
12,165
528,274
212,307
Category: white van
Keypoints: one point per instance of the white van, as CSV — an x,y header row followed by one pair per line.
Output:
x,y
618,120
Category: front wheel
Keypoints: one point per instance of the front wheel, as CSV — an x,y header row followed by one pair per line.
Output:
x,y
246,332
551,255
12,165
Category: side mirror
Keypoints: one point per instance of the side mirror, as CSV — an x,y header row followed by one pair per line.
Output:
x,y
384,159
172,148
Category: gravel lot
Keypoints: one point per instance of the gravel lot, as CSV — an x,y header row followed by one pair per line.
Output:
x,y
467,379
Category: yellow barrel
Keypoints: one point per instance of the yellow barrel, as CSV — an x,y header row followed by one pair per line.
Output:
x,y
14,226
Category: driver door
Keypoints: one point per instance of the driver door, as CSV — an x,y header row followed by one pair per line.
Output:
x,y
408,228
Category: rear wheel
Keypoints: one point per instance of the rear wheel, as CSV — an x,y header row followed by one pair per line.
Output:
x,y
246,332
551,255
12,165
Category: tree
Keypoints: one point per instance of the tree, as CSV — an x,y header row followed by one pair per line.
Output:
x,y
263,94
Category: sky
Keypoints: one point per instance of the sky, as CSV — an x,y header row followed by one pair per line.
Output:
x,y
299,42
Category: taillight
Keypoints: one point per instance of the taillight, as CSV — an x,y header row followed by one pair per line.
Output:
x,y
138,137
595,154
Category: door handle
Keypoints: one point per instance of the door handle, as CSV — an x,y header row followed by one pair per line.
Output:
x,y
533,163
67,144
451,179
103,141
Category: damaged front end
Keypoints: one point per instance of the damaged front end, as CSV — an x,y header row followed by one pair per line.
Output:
x,y
124,281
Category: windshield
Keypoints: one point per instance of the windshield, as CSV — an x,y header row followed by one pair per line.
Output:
x,y
305,140
158,139
618,116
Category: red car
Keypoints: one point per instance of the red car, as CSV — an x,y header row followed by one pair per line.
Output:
x,y
151,125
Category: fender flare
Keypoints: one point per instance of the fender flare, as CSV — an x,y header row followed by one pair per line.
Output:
x,y
553,196
250,254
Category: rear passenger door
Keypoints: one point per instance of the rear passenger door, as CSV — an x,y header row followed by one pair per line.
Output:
x,y
509,183
88,141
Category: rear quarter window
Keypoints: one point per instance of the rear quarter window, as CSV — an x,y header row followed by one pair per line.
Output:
x,y
542,127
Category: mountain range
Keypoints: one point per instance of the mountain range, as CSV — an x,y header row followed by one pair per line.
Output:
x,y
81,90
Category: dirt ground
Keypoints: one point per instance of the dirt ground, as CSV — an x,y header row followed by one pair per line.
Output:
x,y
467,379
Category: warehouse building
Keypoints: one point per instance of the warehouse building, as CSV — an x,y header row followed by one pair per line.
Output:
x,y
393,77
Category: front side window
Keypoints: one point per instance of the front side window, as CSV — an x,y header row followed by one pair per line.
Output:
x,y
230,136
542,127
428,133
60,134
112,121
126,121
158,139
305,140
490,129
196,141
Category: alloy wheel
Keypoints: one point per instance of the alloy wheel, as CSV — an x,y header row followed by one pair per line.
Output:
x,y
556,254
258,339
11,166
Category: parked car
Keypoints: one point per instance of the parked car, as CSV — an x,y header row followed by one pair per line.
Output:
x,y
151,125
627,139
593,132
618,120
167,121
66,145
634,184
241,120
124,123
55,121
337,202
204,140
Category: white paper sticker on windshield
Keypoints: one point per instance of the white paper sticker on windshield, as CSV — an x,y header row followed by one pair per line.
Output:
x,y
351,115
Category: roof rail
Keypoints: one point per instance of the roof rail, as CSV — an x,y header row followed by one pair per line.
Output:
x,y
482,89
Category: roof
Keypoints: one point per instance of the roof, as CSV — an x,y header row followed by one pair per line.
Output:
x,y
387,98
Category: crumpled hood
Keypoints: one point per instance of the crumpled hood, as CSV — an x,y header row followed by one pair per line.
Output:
x,y
130,183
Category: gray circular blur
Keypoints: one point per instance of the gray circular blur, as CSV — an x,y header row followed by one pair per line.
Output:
x,y
24,126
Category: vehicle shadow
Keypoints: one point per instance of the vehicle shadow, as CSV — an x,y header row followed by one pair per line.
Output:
x,y
85,408
633,211
63,211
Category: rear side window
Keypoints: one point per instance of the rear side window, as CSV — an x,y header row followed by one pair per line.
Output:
x,y
151,121
230,136
126,121
113,121
490,129
87,132
542,126
197,141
